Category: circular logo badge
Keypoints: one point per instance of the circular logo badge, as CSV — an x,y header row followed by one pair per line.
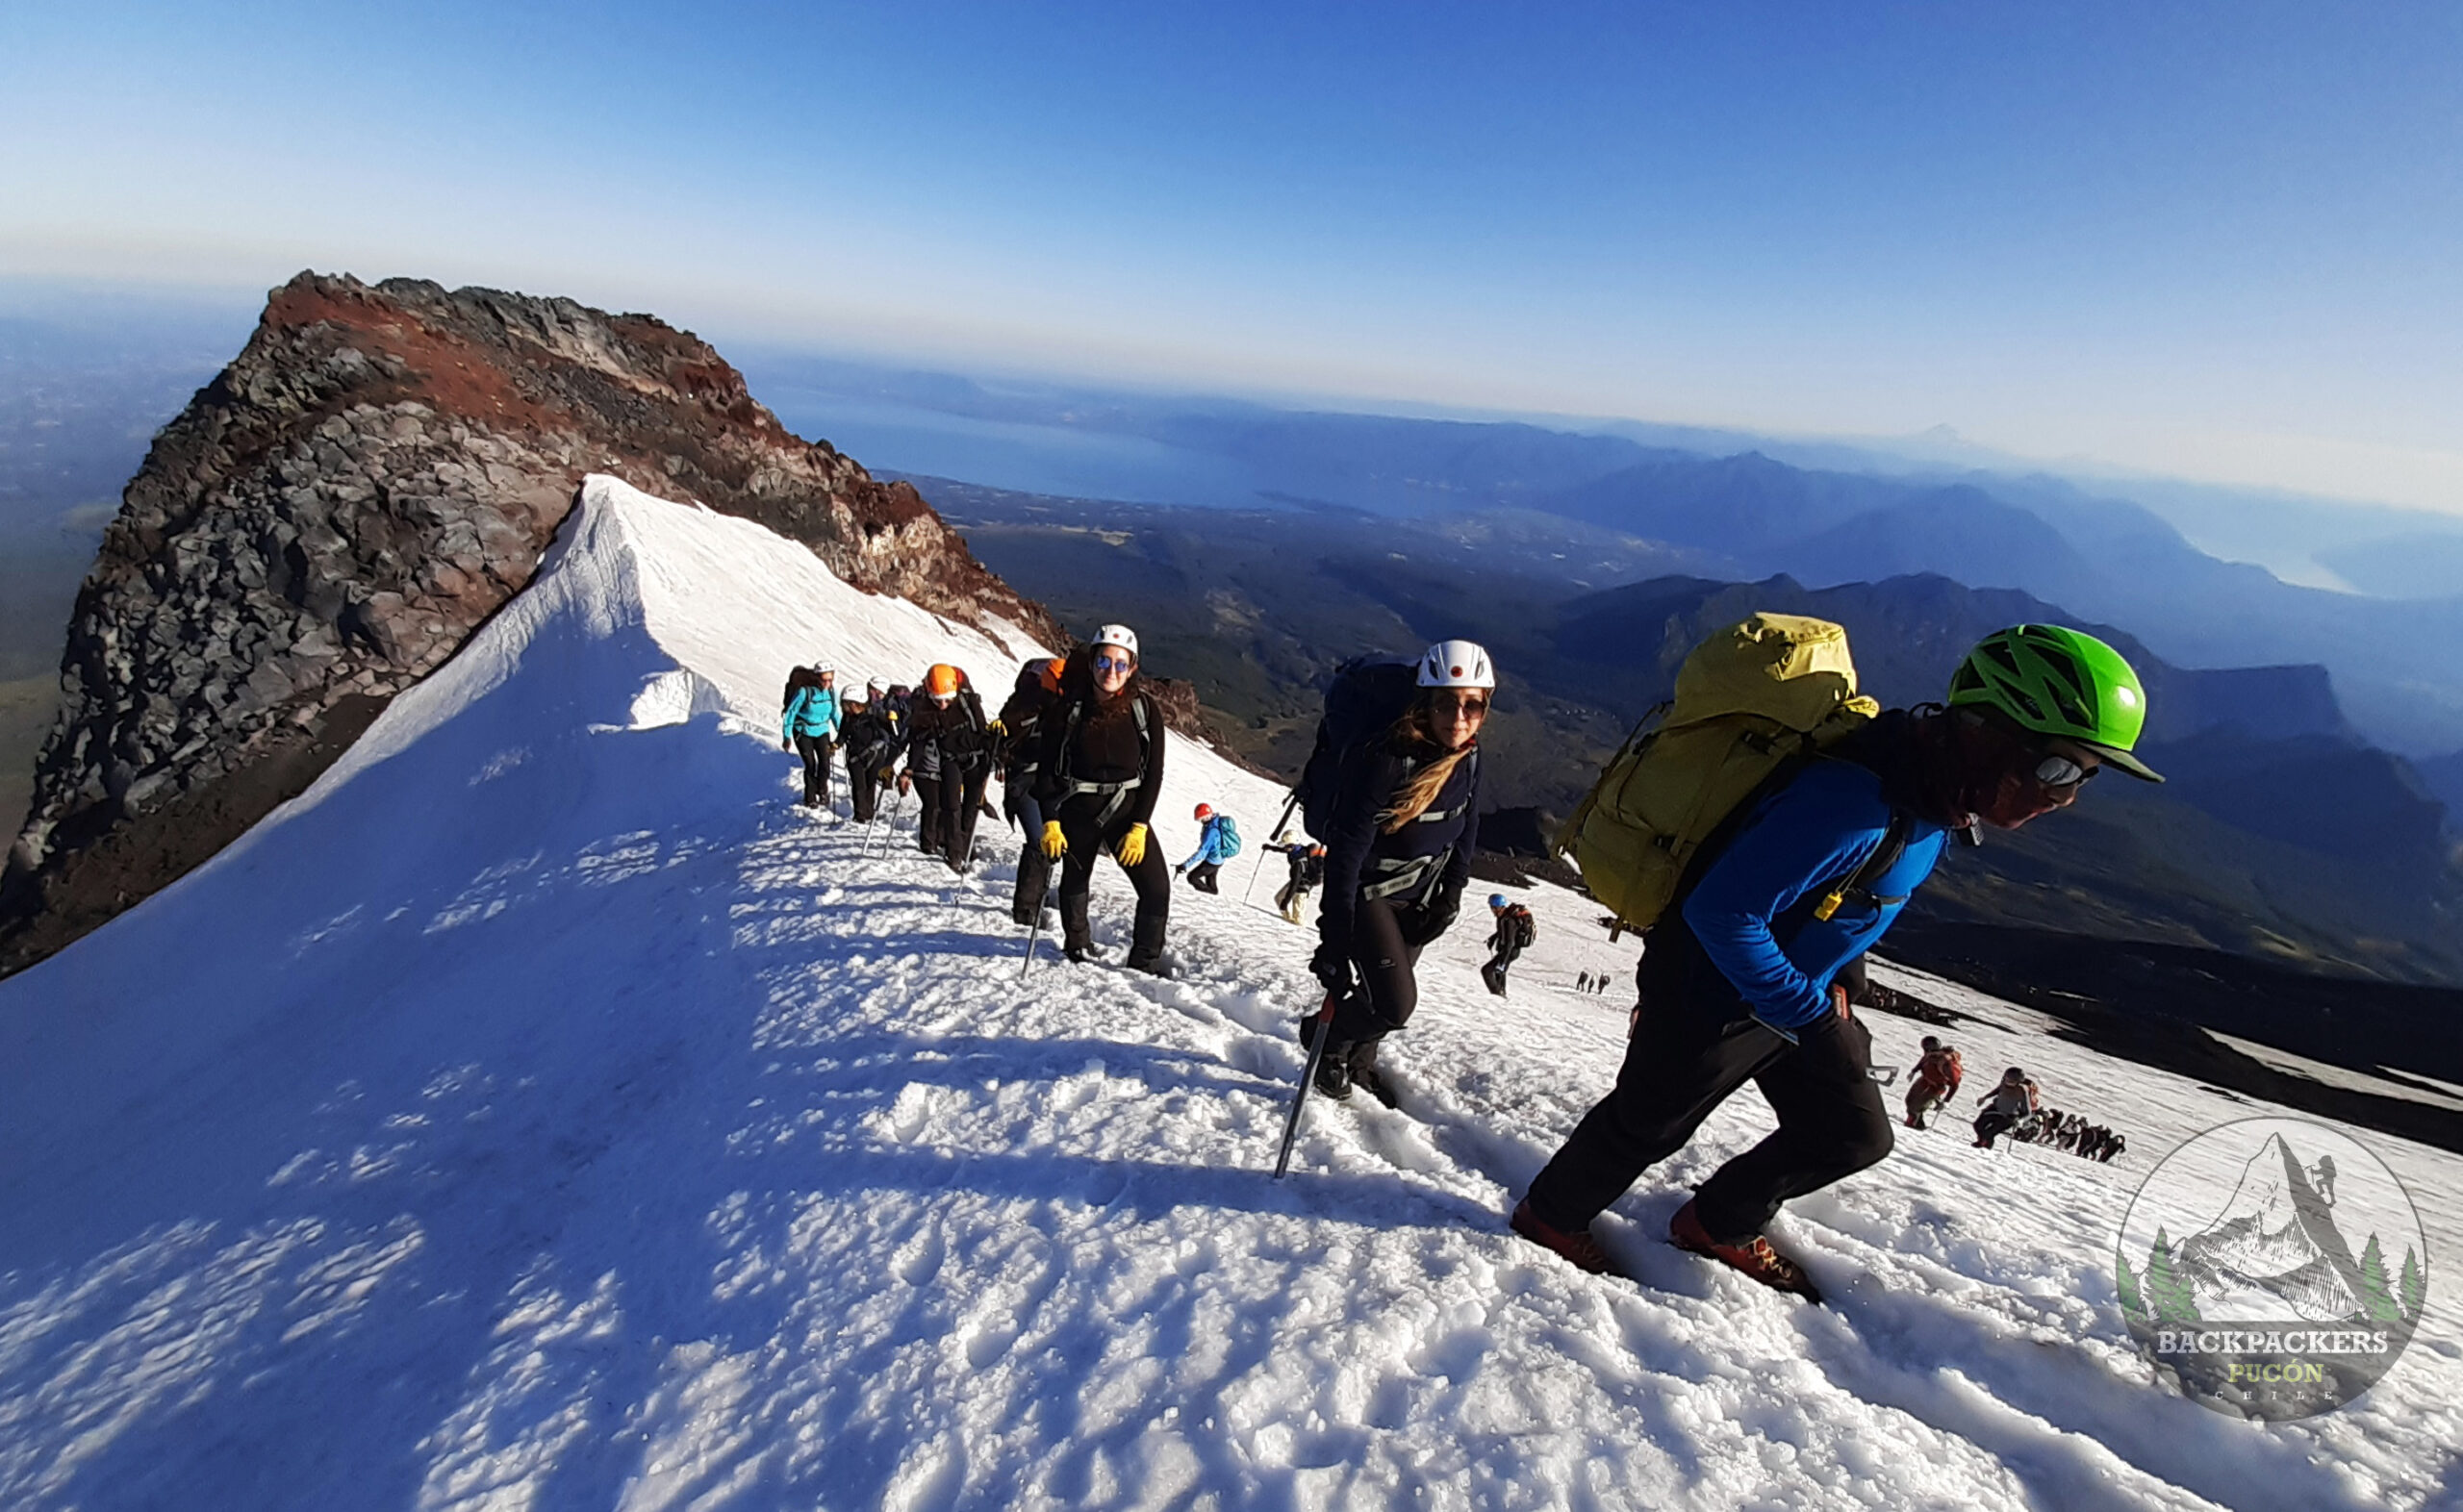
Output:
x,y
2271,1267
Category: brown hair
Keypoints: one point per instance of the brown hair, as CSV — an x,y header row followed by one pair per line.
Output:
x,y
1410,735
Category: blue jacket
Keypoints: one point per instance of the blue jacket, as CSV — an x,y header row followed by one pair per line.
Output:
x,y
1213,847
815,712
1763,888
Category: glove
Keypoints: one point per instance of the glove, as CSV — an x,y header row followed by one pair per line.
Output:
x,y
1181,871
1332,968
906,784
996,727
1133,846
786,745
1056,845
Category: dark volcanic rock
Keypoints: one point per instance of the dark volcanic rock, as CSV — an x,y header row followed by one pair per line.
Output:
x,y
330,518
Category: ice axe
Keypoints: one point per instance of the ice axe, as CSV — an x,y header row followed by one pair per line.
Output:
x,y
1323,1026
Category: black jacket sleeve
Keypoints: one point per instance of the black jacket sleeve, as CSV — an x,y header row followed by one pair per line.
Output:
x,y
1366,778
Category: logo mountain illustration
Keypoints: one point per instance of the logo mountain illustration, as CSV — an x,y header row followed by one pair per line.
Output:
x,y
2277,1237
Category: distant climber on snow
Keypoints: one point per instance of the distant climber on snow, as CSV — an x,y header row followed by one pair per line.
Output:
x,y
1795,880
1516,932
1100,772
1218,841
809,727
1935,1080
2011,1102
1306,862
1393,790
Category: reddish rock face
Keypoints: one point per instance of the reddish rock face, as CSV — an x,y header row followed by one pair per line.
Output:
x,y
379,471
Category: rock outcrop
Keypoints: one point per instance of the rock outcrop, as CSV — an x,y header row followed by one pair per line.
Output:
x,y
380,470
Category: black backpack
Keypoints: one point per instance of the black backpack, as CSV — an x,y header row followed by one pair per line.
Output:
x,y
1368,696
801,678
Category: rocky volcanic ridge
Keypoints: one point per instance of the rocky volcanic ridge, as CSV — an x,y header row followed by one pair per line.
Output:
x,y
329,520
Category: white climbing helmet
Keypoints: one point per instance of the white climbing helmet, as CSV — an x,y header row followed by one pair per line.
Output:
x,y
1456,663
1121,635
876,689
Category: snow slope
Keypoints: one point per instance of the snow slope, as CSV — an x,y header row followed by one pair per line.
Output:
x,y
544,1112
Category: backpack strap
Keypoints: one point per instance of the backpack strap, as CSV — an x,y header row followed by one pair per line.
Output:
x,y
1858,884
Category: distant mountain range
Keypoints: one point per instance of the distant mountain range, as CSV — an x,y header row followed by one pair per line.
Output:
x,y
2282,834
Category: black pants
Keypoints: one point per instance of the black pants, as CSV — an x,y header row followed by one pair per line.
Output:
x,y
1151,878
1201,876
1387,939
1034,879
950,803
864,791
1682,1062
1508,946
815,749
930,795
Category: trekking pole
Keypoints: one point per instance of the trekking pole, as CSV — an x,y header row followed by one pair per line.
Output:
x,y
1033,931
1276,839
1325,1027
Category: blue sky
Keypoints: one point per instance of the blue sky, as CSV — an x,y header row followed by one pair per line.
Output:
x,y
2213,241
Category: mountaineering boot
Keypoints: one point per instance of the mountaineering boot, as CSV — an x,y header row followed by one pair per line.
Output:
x,y
1754,1256
1364,1073
1334,1070
1575,1244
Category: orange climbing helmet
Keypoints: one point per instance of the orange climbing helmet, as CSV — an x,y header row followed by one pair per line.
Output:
x,y
943,680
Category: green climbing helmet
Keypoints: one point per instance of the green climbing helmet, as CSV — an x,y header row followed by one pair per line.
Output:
x,y
2057,681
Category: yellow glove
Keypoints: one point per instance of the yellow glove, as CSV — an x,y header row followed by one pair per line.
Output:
x,y
1133,846
996,727
1056,845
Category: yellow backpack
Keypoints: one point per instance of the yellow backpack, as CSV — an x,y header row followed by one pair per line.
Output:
x,y
1752,698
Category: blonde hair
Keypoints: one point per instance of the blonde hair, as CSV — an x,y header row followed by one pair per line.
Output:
x,y
1420,789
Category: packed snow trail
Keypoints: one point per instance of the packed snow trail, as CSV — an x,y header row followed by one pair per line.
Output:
x,y
544,1112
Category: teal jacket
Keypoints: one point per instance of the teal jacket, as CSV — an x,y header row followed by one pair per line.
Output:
x,y
815,712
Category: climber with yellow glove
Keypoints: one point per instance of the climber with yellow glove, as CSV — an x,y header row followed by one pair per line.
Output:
x,y
1100,771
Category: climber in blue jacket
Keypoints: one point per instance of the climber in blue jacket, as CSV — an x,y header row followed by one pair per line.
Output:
x,y
1218,841
810,729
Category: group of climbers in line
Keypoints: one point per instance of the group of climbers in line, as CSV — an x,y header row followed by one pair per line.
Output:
x,y
1516,932
1593,981
2071,1134
1747,968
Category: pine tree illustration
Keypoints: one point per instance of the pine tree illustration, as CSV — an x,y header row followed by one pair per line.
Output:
x,y
2168,1298
2132,1303
2376,1296
2414,1293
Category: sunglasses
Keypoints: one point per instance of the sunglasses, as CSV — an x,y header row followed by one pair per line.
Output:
x,y
1113,663
1470,706
2059,771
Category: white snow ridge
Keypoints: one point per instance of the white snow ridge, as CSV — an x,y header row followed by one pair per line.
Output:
x,y
544,1112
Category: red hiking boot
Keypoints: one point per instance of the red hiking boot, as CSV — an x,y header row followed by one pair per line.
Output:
x,y
1754,1257
1575,1246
